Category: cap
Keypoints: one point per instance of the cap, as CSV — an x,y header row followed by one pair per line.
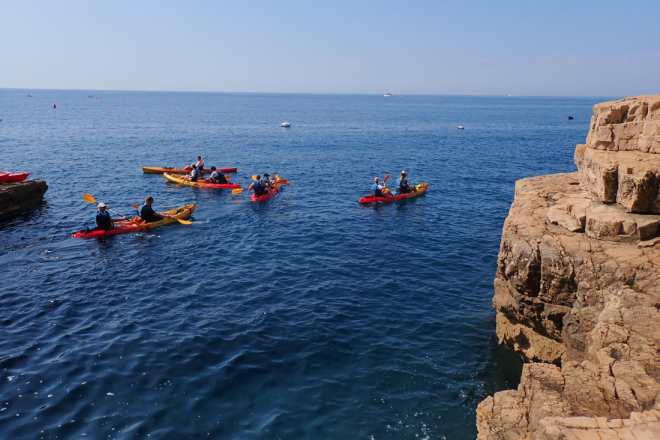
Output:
x,y
404,172
266,175
213,168
375,179
101,205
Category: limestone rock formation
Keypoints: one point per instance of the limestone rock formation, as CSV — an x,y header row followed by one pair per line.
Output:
x,y
577,290
15,197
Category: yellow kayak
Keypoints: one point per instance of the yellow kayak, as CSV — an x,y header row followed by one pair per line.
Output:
x,y
201,183
136,225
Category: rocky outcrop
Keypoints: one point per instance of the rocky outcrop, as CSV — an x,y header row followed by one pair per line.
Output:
x,y
15,197
577,290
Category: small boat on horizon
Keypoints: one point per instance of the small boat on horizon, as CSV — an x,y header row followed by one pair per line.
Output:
x,y
285,125
387,95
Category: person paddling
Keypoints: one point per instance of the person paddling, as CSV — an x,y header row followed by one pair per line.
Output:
x,y
258,187
199,164
267,183
147,213
103,220
217,177
402,184
379,190
194,174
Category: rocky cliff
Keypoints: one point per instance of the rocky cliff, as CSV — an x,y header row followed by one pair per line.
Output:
x,y
15,197
577,290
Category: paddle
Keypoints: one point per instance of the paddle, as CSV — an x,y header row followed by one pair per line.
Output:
x,y
183,222
385,180
90,199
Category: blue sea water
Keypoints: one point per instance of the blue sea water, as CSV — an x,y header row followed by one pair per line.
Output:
x,y
304,317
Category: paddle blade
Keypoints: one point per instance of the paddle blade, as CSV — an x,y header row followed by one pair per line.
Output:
x,y
180,185
135,206
88,198
283,182
388,176
227,176
184,222
254,177
237,190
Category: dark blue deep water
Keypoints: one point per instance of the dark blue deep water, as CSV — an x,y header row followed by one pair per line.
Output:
x,y
305,317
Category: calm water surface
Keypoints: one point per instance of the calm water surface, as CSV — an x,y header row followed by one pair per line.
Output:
x,y
305,317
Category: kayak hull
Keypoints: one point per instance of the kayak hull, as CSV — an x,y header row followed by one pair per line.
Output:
x,y
270,194
161,170
201,183
13,177
419,190
126,226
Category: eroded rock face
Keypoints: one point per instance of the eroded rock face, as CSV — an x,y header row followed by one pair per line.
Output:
x,y
15,197
620,163
585,308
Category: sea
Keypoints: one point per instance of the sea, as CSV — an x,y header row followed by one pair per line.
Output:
x,y
308,316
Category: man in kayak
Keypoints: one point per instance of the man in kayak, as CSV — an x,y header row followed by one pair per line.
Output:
x,y
267,183
147,213
194,174
199,164
102,219
402,184
380,190
258,187
217,177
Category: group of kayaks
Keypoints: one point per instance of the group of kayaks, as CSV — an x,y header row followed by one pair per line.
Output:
x,y
178,176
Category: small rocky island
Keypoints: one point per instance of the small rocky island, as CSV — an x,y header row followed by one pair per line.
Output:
x,y
577,289
16,197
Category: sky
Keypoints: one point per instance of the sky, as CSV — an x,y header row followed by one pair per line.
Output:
x,y
505,47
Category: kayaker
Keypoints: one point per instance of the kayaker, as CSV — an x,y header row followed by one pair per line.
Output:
x,y
217,177
380,190
402,184
194,174
199,164
267,183
258,187
103,220
147,213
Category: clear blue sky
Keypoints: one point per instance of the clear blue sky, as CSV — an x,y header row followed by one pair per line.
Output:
x,y
587,48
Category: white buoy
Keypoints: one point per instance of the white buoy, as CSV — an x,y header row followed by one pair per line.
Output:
x,y
285,124
460,127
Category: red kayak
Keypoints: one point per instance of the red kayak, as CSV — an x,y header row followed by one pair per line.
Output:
x,y
271,193
13,177
417,191
161,170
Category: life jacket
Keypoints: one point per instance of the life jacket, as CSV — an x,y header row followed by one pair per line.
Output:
x,y
194,175
103,220
401,183
217,177
259,188
142,214
200,165
377,192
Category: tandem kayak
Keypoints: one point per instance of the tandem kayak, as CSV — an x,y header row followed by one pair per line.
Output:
x,y
270,194
201,183
13,177
125,226
418,190
161,170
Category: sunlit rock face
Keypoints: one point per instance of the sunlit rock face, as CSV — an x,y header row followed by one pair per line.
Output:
x,y
577,290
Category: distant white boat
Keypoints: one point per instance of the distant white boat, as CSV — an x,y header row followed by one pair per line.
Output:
x,y
460,127
387,95
285,124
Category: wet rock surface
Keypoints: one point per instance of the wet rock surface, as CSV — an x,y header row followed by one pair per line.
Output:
x,y
15,197
577,294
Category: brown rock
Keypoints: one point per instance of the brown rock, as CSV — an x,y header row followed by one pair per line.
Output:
x,y
15,197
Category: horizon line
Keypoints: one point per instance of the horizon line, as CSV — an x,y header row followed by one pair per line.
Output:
x,y
313,93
